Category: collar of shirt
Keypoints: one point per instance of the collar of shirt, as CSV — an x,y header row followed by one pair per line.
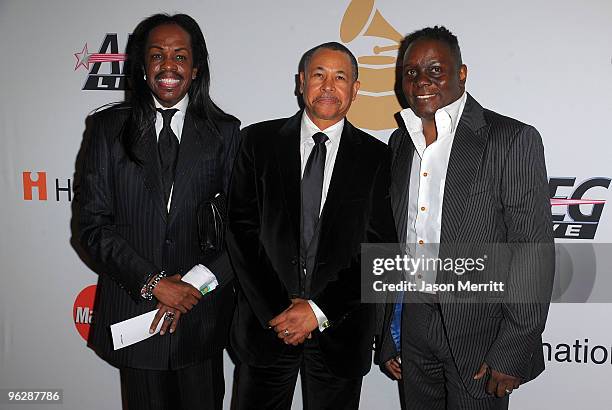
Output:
x,y
177,119
447,119
308,129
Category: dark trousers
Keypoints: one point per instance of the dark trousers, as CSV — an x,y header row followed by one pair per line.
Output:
x,y
200,387
430,379
271,388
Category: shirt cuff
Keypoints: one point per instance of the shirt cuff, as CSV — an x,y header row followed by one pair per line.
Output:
x,y
201,278
321,318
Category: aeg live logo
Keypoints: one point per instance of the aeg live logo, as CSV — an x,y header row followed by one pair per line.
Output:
x,y
581,212
114,62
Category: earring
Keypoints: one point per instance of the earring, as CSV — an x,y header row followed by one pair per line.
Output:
x,y
144,77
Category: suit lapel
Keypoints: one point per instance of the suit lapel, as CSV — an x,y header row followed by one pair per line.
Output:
x,y
344,169
463,165
198,143
145,149
287,153
400,183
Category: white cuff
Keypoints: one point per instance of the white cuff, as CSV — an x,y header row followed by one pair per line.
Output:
x,y
201,278
321,318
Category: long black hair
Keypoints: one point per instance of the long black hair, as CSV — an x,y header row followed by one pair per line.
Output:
x,y
140,100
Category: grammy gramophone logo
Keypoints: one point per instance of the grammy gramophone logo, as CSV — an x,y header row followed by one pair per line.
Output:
x,y
376,102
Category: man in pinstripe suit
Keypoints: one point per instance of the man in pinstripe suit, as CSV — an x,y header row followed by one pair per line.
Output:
x,y
464,174
151,163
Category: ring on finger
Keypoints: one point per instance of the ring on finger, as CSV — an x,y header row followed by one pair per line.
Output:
x,y
169,316
286,332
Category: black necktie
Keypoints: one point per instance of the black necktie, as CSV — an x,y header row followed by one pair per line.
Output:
x,y
312,185
168,147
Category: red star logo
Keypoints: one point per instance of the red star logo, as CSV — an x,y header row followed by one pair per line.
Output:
x,y
82,58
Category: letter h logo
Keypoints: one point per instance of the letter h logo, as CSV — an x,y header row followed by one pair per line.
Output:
x,y
40,184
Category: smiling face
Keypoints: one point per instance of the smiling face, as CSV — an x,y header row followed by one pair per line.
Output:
x,y
432,78
169,63
327,87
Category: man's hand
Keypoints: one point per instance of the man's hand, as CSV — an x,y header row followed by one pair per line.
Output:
x,y
394,368
176,294
499,384
295,324
170,317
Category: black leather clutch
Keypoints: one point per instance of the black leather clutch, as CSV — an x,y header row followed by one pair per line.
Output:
x,y
212,217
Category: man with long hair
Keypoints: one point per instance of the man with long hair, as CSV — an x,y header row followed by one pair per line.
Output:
x,y
151,163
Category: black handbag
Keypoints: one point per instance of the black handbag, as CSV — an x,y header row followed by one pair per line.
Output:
x,y
212,217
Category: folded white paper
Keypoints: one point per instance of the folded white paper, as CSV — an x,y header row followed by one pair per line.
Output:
x,y
136,329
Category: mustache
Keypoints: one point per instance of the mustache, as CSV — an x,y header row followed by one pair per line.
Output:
x,y
327,97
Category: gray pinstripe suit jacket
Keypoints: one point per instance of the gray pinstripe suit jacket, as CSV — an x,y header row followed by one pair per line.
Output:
x,y
496,191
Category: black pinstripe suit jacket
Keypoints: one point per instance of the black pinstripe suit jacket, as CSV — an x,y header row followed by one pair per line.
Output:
x,y
496,191
126,229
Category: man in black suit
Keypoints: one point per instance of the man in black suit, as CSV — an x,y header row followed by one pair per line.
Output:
x,y
462,174
306,192
151,163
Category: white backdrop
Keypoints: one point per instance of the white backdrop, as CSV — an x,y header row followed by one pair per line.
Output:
x,y
545,62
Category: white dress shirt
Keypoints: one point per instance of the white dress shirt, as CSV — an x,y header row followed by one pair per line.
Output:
x,y
307,130
427,180
176,124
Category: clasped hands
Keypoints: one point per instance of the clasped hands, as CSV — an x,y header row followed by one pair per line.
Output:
x,y
175,298
499,384
296,323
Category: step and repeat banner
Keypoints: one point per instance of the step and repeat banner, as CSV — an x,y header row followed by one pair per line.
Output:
x,y
545,62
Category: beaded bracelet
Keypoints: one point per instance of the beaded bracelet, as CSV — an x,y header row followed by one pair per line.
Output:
x,y
147,290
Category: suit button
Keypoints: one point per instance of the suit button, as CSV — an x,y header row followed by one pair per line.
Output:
x,y
294,261
168,241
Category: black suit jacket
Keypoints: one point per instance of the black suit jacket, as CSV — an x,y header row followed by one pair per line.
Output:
x,y
264,241
496,191
126,229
